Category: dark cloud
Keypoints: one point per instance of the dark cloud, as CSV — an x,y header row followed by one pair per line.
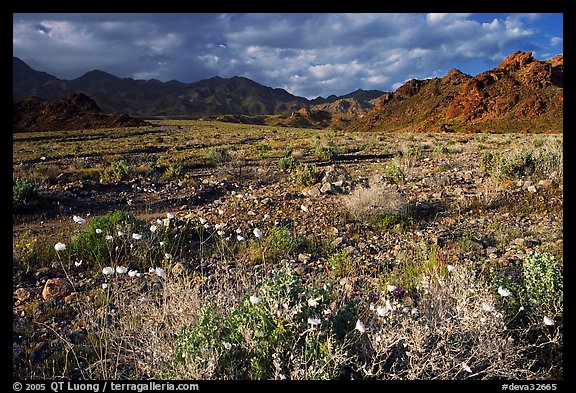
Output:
x,y
306,54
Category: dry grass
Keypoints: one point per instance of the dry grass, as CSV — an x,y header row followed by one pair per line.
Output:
x,y
365,203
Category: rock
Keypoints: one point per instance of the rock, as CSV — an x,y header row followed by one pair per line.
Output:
x,y
336,174
73,297
313,191
337,242
56,287
328,188
532,189
546,183
22,294
304,257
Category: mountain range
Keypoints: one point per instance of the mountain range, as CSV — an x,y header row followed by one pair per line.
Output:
x,y
214,96
521,94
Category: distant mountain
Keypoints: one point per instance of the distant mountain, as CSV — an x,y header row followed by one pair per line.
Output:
x,y
214,96
521,94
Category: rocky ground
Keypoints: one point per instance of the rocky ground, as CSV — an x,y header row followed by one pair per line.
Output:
x,y
448,200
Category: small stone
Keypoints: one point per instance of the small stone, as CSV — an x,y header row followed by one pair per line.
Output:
x,y
328,188
73,297
313,191
532,189
56,287
22,294
304,257
337,242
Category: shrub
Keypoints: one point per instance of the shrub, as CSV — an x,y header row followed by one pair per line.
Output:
x,y
93,247
218,155
366,203
173,171
25,192
324,153
341,264
287,164
268,336
306,175
116,171
395,174
453,331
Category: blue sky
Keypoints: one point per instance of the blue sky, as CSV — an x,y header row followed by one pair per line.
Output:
x,y
308,54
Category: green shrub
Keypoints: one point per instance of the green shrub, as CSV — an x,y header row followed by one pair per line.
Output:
x,y
116,171
173,171
268,337
287,164
543,282
341,264
325,153
307,175
218,155
93,247
24,192
395,174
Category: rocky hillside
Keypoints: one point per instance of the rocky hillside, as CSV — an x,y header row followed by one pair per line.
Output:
x,y
73,113
521,94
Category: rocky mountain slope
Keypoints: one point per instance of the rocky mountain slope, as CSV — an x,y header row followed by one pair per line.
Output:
x,y
73,113
521,94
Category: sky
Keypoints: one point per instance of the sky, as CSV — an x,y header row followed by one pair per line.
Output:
x,y
309,55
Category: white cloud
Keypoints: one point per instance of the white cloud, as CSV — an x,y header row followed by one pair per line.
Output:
x,y
555,41
307,54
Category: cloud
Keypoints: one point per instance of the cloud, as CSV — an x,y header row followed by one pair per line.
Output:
x,y
307,54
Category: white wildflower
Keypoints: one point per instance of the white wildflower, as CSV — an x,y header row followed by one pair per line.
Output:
x,y
109,237
450,268
132,273
136,236
488,307
78,263
391,288
240,238
360,326
466,367
304,208
312,302
382,311
228,346
266,216
120,233
104,286
160,272
548,321
79,220
153,228
167,256
504,292
98,231
169,216
60,246
121,269
107,271
202,221
220,233
255,300
314,321
257,232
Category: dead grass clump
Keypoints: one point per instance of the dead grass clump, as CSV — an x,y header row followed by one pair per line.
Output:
x,y
455,331
379,199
